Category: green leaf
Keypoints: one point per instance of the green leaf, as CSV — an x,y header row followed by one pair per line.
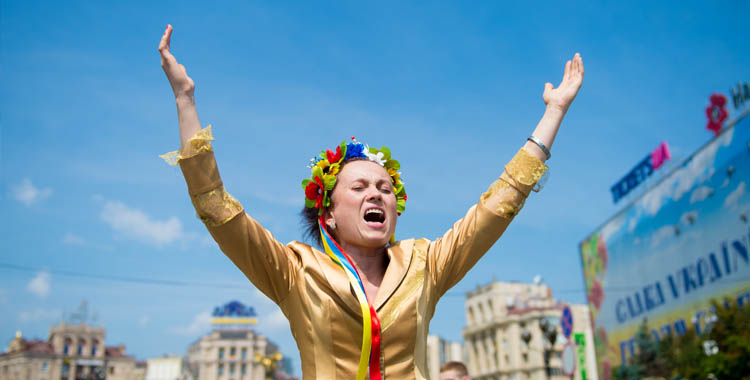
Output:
x,y
329,181
392,164
343,150
317,172
309,203
305,182
400,205
386,153
398,189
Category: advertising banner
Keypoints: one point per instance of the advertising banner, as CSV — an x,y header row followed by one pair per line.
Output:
x,y
682,243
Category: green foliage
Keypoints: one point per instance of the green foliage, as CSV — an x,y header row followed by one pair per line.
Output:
x,y
684,357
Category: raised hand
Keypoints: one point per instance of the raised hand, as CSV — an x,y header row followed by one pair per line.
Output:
x,y
562,96
182,85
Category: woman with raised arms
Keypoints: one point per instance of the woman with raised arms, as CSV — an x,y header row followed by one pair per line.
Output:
x,y
360,304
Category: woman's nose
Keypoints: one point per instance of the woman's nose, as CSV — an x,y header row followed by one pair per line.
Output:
x,y
374,194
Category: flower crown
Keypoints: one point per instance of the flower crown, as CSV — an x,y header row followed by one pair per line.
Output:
x,y
328,163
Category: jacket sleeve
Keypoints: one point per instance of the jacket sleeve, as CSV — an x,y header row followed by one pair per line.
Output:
x,y
268,264
451,256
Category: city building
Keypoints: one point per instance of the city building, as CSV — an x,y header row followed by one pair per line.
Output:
x,y
232,350
72,352
167,367
441,351
509,333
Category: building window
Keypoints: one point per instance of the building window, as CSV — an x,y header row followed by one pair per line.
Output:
x,y
111,370
220,370
232,351
243,370
81,343
44,366
94,344
244,353
525,357
65,369
221,353
66,347
231,369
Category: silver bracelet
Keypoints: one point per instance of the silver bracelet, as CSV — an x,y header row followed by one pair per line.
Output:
x,y
541,145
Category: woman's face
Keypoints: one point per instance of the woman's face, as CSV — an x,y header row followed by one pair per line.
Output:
x,y
364,206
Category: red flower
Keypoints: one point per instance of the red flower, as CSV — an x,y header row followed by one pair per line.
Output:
x,y
601,249
603,336
334,157
596,295
716,113
606,370
404,196
314,192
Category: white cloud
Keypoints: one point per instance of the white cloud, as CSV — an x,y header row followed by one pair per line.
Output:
x,y
697,170
40,284
689,217
273,321
733,197
200,324
136,224
143,320
661,234
73,239
39,314
700,194
613,226
26,193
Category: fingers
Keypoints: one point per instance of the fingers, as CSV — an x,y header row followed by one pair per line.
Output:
x,y
567,73
165,39
166,57
548,87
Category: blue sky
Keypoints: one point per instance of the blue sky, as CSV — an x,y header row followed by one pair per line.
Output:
x,y
453,88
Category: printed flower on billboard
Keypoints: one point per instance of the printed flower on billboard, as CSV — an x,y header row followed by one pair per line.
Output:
x,y
596,294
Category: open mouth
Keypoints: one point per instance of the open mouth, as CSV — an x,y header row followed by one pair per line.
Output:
x,y
375,215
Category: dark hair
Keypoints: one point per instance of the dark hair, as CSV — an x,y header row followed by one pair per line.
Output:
x,y
457,366
310,215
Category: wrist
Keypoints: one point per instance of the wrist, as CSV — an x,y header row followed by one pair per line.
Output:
x,y
556,110
184,100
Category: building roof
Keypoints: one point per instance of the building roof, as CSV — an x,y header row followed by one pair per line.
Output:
x,y
115,352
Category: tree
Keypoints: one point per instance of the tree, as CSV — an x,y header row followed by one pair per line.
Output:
x,y
722,351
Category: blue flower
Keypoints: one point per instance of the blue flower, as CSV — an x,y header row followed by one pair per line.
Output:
x,y
354,150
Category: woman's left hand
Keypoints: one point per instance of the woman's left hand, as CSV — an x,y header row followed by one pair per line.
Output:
x,y
562,96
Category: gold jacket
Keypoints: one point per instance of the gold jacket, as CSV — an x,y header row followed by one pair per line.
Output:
x,y
315,294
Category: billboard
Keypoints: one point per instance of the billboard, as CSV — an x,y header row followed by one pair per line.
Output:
x,y
682,243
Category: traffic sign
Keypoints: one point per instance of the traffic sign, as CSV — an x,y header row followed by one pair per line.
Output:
x,y
567,321
569,359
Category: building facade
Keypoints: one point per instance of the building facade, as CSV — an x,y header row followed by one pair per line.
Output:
x,y
224,355
505,333
233,351
441,351
71,352
166,368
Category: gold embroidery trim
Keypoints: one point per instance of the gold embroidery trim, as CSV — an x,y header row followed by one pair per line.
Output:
x,y
506,207
525,168
216,207
200,142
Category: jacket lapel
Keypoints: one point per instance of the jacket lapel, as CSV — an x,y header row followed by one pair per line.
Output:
x,y
400,258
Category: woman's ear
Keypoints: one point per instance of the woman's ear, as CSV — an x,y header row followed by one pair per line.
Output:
x,y
330,221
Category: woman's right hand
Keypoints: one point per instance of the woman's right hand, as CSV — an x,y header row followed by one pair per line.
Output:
x,y
182,85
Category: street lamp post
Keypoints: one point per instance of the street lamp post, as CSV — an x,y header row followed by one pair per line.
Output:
x,y
550,332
